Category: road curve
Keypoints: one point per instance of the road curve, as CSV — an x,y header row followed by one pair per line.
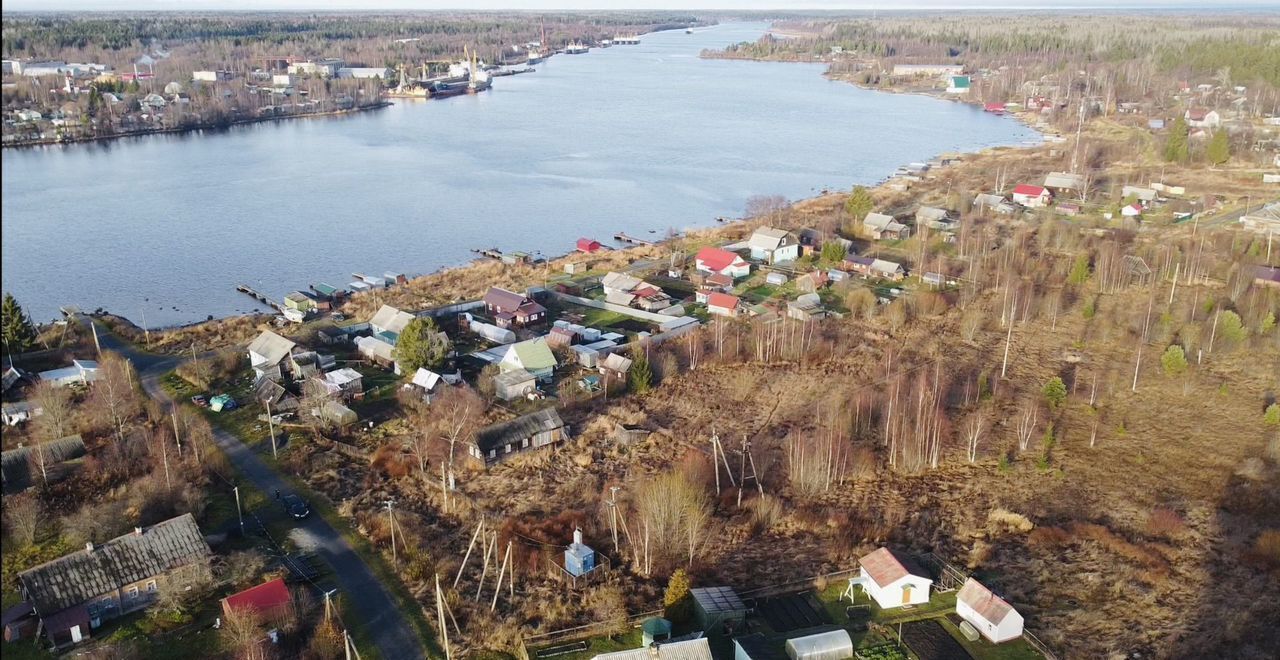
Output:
x,y
367,596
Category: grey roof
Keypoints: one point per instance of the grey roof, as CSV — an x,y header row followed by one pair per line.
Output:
x,y
75,578
272,347
512,378
690,649
525,426
390,319
770,238
616,362
1064,180
718,599
16,467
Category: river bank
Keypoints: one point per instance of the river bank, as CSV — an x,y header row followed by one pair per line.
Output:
x,y
194,128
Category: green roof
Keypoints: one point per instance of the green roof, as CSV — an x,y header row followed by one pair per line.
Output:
x,y
960,82
534,354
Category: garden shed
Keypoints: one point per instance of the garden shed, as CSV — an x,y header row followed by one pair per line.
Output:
x,y
831,645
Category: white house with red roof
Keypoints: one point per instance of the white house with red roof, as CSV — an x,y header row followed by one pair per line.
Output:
x,y
1202,118
1133,210
722,304
891,579
987,612
1033,196
716,260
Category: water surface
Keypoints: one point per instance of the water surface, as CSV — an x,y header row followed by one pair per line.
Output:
x,y
631,138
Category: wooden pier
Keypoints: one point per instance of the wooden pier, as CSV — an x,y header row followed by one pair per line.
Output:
x,y
260,297
492,253
622,237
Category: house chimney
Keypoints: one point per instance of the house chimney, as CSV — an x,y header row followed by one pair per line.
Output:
x,y
653,649
577,536
88,546
137,531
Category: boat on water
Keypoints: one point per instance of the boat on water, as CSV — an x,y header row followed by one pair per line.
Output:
x,y
535,57
688,30
576,48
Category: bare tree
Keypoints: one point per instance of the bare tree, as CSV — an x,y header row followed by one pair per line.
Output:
x,y
1028,415
23,512
54,403
242,632
115,395
974,427
672,511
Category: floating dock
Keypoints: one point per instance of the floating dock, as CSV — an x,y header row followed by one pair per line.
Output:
x,y
623,237
260,297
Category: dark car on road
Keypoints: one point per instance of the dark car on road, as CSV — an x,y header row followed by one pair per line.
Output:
x,y
295,506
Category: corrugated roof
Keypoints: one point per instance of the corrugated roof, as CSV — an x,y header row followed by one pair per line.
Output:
x,y
512,432
262,599
714,600
531,355
983,601
75,578
616,362
716,259
692,649
507,301
769,238
723,300
390,319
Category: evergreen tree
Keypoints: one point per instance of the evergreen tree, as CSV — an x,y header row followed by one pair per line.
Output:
x,y
1055,392
641,375
859,203
421,345
1079,270
1174,360
1219,150
18,331
1176,147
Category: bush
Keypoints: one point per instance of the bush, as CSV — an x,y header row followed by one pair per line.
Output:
x,y
1272,415
1174,360
1055,392
1165,522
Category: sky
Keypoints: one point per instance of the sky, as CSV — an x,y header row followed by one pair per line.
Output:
x,y
330,5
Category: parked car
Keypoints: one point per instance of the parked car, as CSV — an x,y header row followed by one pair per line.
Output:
x,y
295,506
200,401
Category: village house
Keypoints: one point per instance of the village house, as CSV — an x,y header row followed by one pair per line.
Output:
x,y
1063,182
615,366
497,443
774,246
684,649
268,601
267,354
911,70
891,579
1132,210
1139,193
933,217
345,382
879,226
1031,196
870,267
722,304
1067,208
77,592
714,260
20,411
81,372
1202,118
511,309
807,307
388,323
988,613
629,291
992,203
533,356
1267,276
812,281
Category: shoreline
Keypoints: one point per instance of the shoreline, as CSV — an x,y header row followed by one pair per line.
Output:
x,y
179,130
714,228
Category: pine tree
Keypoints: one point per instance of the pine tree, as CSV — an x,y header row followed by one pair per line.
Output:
x,y
1174,360
641,375
859,203
1176,148
421,345
18,331
1219,150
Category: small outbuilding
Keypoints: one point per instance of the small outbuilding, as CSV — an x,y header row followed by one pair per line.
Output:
x,y
830,645
268,600
892,579
656,629
579,558
988,613
515,384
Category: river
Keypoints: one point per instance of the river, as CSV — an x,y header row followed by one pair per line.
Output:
x,y
630,138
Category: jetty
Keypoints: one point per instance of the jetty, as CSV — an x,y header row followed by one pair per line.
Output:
x,y
623,237
259,296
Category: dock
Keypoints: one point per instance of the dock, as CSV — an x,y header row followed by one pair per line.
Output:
x,y
492,253
511,72
260,297
622,237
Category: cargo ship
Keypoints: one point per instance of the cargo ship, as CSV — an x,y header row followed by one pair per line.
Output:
x,y
576,48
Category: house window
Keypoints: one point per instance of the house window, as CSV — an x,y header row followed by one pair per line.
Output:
x,y
152,587
131,592
524,443
493,453
507,449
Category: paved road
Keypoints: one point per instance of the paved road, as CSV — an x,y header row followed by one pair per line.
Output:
x,y
361,589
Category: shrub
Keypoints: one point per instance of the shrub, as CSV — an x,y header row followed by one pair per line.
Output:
x,y
1165,522
1266,548
1003,520
1272,415
1174,360
1055,392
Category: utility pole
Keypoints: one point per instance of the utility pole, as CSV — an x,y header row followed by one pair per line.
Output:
x,y
270,425
465,557
92,326
176,440
239,514
613,511
391,516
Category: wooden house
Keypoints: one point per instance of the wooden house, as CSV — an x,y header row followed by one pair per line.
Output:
x,y
497,443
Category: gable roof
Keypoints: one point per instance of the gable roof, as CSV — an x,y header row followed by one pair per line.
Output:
x,y
426,379
75,578
518,429
502,299
272,347
983,601
531,355
878,221
689,649
717,299
620,281
885,566
391,319
616,362
769,238
1064,180
262,599
717,259
1028,189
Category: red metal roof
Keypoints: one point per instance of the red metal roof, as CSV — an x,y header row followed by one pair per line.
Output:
x,y
716,259
262,599
1028,189
588,245
885,567
987,605
723,300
